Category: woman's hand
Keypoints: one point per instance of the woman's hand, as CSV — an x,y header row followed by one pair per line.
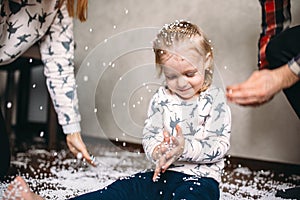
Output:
x,y
168,151
77,147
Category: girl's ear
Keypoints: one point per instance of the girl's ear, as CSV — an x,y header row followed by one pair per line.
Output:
x,y
208,63
208,60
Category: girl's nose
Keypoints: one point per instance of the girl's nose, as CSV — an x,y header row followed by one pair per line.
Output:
x,y
181,82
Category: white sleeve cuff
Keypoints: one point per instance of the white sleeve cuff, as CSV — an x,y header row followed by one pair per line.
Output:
x,y
71,128
294,67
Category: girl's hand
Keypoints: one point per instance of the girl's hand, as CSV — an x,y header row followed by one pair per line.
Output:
x,y
176,150
168,151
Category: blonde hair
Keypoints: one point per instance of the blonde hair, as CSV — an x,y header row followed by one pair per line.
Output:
x,y
81,8
176,34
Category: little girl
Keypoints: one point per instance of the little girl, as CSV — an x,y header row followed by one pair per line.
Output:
x,y
187,131
188,127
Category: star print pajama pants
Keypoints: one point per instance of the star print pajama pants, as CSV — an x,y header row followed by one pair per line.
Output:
x,y
170,186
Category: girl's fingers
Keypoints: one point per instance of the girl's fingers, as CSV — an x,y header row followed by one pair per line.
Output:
x,y
159,167
178,130
166,137
168,163
156,173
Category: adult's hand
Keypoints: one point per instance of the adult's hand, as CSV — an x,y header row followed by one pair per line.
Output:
x,y
261,86
76,146
168,151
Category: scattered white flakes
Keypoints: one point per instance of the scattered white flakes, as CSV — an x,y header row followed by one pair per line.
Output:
x,y
19,164
243,170
69,178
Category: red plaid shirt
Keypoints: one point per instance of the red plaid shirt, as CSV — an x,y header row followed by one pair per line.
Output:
x,y
276,16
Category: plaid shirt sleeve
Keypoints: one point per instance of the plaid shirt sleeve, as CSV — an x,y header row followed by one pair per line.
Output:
x,y
276,16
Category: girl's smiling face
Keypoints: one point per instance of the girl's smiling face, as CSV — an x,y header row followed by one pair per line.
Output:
x,y
182,77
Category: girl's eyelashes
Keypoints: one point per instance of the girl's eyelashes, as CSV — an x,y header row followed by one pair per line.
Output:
x,y
170,77
187,74
190,74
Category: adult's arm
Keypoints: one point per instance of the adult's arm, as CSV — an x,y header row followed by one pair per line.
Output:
x,y
57,52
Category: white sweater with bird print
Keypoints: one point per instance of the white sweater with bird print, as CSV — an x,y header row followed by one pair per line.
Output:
x,y
205,124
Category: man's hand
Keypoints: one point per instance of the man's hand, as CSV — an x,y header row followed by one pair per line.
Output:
x,y
261,86
77,147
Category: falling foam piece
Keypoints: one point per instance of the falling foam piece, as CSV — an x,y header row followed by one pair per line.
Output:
x,y
79,156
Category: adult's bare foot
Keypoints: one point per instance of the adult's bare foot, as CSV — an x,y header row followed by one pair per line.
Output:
x,y
19,190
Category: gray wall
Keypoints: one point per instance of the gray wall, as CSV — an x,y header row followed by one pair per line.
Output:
x,y
116,76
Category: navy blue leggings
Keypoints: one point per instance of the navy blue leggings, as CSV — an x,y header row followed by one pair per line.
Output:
x,y
171,186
